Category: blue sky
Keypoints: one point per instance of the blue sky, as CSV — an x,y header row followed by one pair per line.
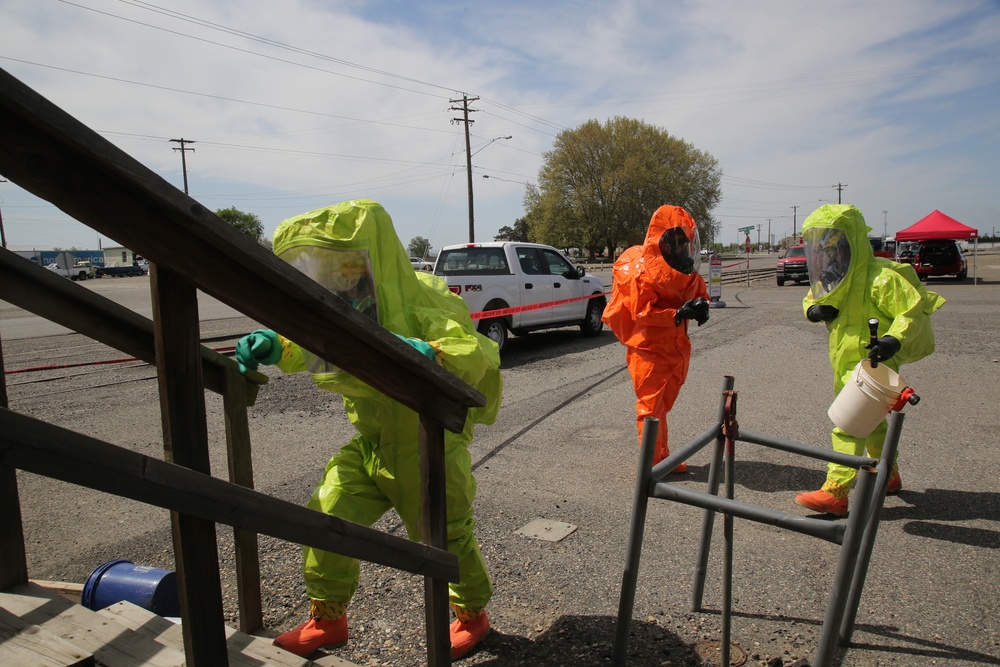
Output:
x,y
295,105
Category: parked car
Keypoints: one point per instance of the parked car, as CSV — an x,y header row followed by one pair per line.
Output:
x,y
940,258
906,251
91,269
883,247
792,266
77,273
421,265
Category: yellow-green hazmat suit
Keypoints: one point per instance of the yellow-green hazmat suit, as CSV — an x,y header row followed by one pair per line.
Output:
x,y
869,287
378,468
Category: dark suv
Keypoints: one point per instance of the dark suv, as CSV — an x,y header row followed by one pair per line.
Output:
x,y
792,266
940,258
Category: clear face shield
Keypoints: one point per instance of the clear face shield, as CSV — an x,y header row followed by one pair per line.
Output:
x,y
346,273
681,249
828,258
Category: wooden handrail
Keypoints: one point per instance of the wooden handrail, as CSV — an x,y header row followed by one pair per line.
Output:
x,y
54,156
52,451
46,294
51,154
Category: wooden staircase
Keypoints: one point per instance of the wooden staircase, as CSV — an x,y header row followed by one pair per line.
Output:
x,y
42,628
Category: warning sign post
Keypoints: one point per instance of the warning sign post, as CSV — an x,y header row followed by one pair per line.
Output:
x,y
715,282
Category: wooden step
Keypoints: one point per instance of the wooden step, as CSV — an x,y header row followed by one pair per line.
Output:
x,y
110,644
37,621
244,649
25,644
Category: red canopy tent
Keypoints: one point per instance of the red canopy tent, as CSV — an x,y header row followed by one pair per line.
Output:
x,y
937,225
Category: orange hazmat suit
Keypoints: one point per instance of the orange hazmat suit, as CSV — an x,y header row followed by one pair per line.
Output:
x,y
650,290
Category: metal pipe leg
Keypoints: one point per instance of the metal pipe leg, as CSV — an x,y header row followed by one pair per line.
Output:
x,y
889,450
727,583
640,502
708,519
845,568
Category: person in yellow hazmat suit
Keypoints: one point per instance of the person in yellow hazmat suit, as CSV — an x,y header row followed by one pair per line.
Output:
x,y
849,286
656,289
352,250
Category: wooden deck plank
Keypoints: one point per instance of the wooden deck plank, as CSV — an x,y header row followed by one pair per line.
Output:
x,y
111,644
244,649
24,644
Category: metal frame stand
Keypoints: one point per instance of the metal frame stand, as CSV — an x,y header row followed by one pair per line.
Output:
x,y
856,537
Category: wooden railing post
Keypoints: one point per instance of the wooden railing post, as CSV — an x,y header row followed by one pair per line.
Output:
x,y
234,401
13,562
185,442
435,529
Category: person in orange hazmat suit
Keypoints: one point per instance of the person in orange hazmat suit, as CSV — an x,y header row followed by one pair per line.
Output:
x,y
656,289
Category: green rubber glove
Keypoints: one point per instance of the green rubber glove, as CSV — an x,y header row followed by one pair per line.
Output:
x,y
421,346
260,347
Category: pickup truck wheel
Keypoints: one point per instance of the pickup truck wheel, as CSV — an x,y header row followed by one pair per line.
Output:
x,y
592,324
781,282
495,329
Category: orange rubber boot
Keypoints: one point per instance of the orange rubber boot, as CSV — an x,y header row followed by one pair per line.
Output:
x,y
313,635
683,467
895,484
465,636
821,501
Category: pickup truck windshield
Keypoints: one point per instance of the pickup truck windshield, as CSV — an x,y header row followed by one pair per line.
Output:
x,y
472,261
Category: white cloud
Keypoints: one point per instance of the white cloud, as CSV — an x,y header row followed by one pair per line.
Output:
x,y
895,99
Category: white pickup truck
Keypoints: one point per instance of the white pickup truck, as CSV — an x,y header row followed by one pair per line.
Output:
x,y
533,286
76,273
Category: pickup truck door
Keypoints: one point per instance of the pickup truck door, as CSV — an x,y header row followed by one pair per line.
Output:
x,y
536,285
564,288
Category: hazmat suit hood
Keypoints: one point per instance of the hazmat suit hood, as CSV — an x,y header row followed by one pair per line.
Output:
x,y
869,287
648,289
672,243
378,279
838,254
364,229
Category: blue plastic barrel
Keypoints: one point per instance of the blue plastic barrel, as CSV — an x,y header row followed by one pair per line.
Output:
x,y
148,587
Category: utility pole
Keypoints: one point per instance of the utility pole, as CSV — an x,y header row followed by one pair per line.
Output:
x,y
770,241
795,212
840,187
184,150
468,154
885,225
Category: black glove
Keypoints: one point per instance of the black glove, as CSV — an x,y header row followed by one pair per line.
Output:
x,y
883,348
817,313
695,309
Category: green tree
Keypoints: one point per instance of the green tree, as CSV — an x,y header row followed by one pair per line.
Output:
x,y
419,247
600,184
248,223
519,232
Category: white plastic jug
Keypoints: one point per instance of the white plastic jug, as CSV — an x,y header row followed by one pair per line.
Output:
x,y
866,399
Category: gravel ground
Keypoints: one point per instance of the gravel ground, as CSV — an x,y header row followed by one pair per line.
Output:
x,y
564,450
